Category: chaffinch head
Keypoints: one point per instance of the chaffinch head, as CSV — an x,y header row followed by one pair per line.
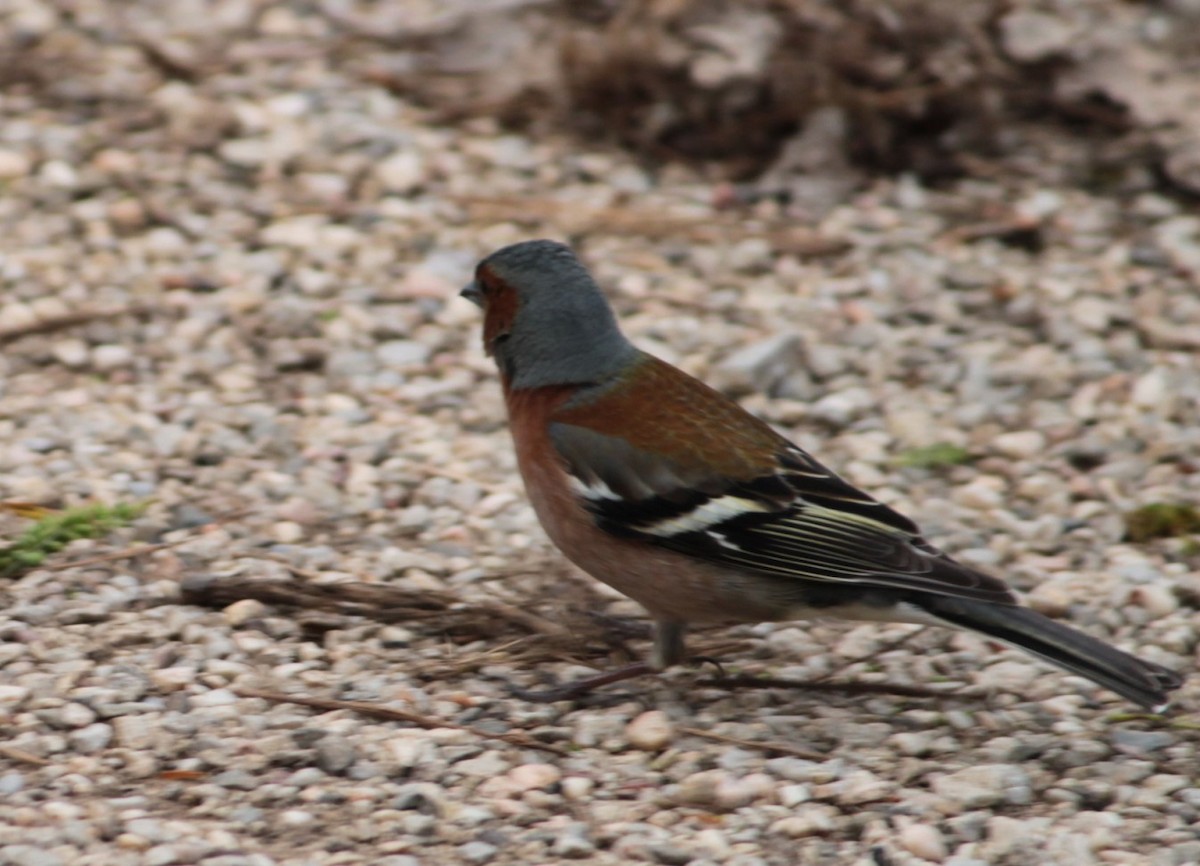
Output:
x,y
675,496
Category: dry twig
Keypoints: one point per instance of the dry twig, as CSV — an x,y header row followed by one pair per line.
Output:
x,y
760,745
53,324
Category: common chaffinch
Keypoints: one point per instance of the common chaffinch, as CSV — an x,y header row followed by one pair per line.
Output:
x,y
677,497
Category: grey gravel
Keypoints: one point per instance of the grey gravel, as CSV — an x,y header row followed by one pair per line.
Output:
x,y
297,390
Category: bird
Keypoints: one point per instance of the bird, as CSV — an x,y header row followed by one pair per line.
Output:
x,y
678,498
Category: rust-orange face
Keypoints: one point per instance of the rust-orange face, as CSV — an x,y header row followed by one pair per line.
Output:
x,y
498,300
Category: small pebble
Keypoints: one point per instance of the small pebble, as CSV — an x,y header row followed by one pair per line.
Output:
x,y
243,611
651,731
923,841
335,755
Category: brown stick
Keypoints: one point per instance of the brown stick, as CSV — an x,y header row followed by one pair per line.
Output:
x,y
760,745
51,324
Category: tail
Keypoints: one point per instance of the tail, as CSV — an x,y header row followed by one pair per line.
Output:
x,y
1142,682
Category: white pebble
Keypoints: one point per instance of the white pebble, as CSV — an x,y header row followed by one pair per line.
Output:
x,y
17,315
296,818
1020,444
59,173
1151,391
981,786
70,352
1159,600
813,819
12,697
214,698
531,777
402,353
14,164
110,357
402,172
241,612
75,715
981,494
172,679
577,788
924,841
650,732
287,532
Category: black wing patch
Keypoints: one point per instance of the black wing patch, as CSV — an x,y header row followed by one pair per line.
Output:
x,y
802,521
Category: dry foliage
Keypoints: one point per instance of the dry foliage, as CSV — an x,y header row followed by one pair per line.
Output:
x,y
928,86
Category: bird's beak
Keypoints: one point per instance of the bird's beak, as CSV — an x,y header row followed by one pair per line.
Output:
x,y
473,293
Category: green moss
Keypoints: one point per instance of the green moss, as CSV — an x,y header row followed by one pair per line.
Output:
x,y
934,456
1161,520
56,530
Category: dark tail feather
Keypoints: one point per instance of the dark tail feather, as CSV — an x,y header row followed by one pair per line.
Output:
x,y
1142,682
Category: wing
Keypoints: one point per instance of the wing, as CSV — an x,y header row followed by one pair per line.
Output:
x,y
790,518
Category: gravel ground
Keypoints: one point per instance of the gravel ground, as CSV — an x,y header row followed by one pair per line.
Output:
x,y
265,261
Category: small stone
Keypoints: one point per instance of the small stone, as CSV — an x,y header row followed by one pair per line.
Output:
x,y
720,791
14,164
669,853
794,795
402,172
574,842
296,818
812,819
135,732
1020,444
1155,598
70,352
700,789
113,161
760,366
1051,599
477,851
29,855
92,738
58,173
237,780
1030,36
531,777
172,679
11,783
75,715
980,494
577,788
734,793
335,755
214,698
982,786
1092,314
650,731
402,353
287,532
11,697
1151,391
842,407
152,830
111,357
1142,742
243,611
924,841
